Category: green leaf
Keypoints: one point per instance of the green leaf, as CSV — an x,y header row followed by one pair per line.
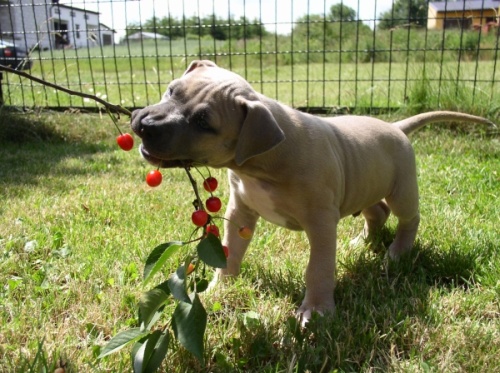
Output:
x,y
163,286
121,340
177,285
202,285
216,307
251,319
159,353
211,252
143,353
158,257
189,321
149,355
154,319
136,347
150,302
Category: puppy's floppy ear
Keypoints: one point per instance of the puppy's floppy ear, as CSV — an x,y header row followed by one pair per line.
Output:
x,y
197,63
259,133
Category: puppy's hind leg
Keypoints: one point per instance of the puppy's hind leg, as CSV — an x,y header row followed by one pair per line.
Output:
x,y
404,205
375,218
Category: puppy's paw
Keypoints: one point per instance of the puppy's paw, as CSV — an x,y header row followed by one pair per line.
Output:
x,y
215,280
306,311
359,240
220,276
396,252
306,315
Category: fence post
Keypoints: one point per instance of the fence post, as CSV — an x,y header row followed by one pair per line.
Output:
x,y
1,93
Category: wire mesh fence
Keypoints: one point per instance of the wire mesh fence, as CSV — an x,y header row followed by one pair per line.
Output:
x,y
318,56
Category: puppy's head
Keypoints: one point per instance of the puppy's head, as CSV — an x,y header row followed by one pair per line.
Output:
x,y
209,116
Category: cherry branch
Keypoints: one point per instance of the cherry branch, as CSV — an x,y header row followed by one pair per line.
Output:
x,y
195,189
109,106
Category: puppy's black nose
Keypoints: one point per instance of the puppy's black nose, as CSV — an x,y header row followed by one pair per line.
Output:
x,y
146,121
136,122
155,120
134,114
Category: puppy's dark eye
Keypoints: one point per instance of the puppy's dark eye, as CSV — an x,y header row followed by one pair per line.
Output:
x,y
203,124
201,120
168,93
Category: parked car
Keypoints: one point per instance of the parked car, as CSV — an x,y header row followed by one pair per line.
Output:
x,y
14,56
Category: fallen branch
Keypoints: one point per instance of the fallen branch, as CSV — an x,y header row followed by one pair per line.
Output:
x,y
110,107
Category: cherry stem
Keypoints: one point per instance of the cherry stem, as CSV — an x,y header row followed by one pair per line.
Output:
x,y
209,173
195,188
114,120
204,178
191,239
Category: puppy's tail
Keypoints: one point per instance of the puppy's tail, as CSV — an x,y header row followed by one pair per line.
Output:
x,y
411,124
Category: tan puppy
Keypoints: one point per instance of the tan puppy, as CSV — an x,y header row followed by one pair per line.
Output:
x,y
293,169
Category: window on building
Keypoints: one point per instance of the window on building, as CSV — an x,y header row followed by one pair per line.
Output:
x,y
463,23
107,39
77,27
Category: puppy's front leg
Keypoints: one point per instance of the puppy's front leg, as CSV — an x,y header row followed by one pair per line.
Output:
x,y
320,272
237,215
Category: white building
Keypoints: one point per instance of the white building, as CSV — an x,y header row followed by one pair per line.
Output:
x,y
50,25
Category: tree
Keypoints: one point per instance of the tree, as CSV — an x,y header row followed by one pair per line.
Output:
x,y
341,12
404,12
340,23
243,28
167,26
218,28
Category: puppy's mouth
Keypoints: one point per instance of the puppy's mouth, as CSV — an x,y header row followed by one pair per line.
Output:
x,y
164,163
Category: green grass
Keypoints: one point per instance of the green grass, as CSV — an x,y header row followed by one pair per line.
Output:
x,y
137,75
77,221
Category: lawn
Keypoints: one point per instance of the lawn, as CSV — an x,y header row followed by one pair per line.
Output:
x,y
137,74
77,222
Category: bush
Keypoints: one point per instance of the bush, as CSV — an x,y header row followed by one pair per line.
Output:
x,y
323,42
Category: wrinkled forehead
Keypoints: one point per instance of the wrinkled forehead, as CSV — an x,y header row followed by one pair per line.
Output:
x,y
212,80
211,72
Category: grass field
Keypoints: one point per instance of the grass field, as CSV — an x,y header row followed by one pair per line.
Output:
x,y
137,75
77,221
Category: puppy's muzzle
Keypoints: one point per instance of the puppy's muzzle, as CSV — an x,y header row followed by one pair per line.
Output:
x,y
154,127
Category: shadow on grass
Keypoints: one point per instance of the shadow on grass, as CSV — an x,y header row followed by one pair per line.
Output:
x,y
382,310
19,129
32,145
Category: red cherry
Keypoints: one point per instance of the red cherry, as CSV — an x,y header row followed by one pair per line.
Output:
x,y
213,229
190,268
125,141
245,233
226,250
199,218
153,178
210,184
213,204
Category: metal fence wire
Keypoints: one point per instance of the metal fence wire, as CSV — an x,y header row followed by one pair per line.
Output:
x,y
323,56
